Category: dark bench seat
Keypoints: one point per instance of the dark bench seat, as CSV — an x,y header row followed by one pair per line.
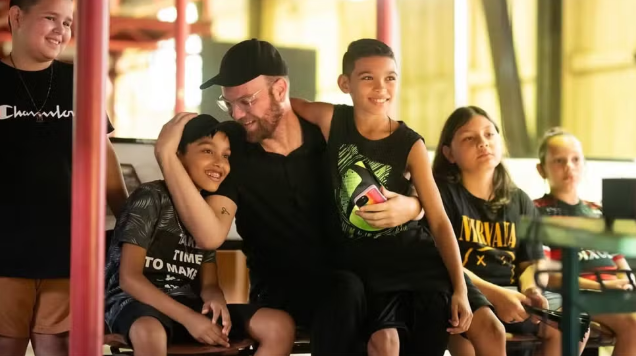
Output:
x,y
117,342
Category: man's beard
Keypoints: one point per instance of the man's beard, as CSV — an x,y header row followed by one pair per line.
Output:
x,y
266,125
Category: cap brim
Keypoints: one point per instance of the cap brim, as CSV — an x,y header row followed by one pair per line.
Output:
x,y
227,81
210,82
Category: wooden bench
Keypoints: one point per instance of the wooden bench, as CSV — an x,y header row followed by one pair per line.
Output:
x,y
521,345
117,342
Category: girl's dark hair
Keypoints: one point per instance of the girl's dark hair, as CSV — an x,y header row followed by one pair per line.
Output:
x,y
547,136
444,170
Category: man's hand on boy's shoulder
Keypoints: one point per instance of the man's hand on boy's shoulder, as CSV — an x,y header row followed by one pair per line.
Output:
x,y
171,132
204,331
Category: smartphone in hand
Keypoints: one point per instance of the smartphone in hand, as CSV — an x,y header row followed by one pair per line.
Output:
x,y
371,195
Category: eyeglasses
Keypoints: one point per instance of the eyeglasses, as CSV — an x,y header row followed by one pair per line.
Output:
x,y
245,103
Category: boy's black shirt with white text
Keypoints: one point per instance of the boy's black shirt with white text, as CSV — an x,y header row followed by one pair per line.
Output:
x,y
172,262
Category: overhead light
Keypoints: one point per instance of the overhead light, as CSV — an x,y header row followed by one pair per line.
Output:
x,y
169,14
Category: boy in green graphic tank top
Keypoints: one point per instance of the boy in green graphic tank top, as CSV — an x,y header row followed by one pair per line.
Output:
x,y
416,289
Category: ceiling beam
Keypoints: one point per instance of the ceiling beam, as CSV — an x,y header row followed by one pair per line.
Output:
x,y
119,23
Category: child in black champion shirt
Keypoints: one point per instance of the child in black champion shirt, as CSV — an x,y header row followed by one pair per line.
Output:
x,y
414,302
161,288
561,164
485,208
36,156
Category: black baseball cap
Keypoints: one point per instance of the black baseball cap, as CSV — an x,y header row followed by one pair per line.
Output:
x,y
206,125
247,60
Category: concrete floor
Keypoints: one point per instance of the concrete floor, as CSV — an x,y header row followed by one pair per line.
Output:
x,y
606,351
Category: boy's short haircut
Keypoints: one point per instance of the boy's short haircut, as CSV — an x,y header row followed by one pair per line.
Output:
x,y
23,4
206,125
363,48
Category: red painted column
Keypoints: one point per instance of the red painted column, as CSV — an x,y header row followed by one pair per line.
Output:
x,y
387,31
386,26
88,190
182,29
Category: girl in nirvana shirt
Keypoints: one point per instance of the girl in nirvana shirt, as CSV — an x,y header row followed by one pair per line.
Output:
x,y
36,138
561,164
485,207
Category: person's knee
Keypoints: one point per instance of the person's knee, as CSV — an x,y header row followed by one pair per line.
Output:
x,y
52,345
272,326
147,331
630,321
460,346
486,326
13,346
384,342
625,325
549,333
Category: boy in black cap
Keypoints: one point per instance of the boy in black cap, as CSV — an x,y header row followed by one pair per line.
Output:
x,y
281,187
154,260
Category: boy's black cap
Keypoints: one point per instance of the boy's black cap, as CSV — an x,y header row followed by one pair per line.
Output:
x,y
206,125
247,60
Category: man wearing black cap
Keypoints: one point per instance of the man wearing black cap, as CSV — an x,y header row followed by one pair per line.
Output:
x,y
280,185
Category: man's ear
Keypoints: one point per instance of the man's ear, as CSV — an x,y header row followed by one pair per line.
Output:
x,y
446,151
279,89
343,83
541,171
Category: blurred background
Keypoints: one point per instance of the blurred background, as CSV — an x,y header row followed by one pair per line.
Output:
x,y
532,64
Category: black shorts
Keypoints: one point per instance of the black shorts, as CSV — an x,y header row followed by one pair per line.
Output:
x,y
240,314
421,318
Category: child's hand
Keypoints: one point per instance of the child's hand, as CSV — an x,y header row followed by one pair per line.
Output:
x,y
204,331
461,314
536,299
394,212
218,307
508,306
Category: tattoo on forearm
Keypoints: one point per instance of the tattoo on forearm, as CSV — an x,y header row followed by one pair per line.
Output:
x,y
224,211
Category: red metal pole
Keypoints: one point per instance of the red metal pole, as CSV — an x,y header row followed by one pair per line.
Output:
x,y
89,161
385,24
387,31
182,29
